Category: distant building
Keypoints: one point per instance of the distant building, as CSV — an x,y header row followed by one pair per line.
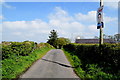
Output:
x,y
78,37
93,41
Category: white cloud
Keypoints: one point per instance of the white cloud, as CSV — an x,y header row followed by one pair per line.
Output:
x,y
93,28
90,16
55,22
15,24
77,26
1,17
59,20
35,24
6,5
60,12
2,1
0,28
60,15
109,19
17,33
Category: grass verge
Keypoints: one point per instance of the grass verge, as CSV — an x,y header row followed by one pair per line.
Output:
x,y
16,65
71,58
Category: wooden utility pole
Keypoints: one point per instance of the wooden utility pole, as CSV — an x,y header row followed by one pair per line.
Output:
x,y
101,30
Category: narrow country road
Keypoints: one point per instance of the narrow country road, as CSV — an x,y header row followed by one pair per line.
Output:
x,y
53,65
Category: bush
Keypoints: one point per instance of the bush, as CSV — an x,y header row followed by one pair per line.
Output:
x,y
20,48
17,48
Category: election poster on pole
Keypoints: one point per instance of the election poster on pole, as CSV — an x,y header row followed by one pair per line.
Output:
x,y
100,17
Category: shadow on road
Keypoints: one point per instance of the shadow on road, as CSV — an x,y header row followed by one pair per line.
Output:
x,y
60,63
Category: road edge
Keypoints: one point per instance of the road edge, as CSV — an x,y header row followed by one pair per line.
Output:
x,y
67,57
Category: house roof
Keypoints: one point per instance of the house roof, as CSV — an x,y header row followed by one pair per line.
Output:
x,y
90,41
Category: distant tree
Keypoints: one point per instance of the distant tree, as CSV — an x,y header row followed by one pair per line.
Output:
x,y
96,37
117,37
60,42
67,40
52,37
108,37
111,37
105,36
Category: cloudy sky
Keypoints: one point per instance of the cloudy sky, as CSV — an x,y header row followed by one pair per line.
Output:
x,y
34,20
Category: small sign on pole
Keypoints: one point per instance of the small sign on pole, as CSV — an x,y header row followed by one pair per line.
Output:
x,y
100,17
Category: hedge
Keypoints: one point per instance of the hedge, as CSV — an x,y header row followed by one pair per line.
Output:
x,y
18,56
107,57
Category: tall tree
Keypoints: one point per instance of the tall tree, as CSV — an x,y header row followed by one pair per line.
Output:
x,y
52,37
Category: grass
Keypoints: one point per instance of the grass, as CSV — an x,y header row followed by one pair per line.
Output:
x,y
70,59
17,65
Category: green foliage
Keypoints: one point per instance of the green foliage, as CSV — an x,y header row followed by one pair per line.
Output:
x,y
16,63
117,37
96,63
41,45
53,37
55,41
60,42
20,48
17,48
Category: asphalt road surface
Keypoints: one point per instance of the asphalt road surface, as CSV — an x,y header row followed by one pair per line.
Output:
x,y
53,65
